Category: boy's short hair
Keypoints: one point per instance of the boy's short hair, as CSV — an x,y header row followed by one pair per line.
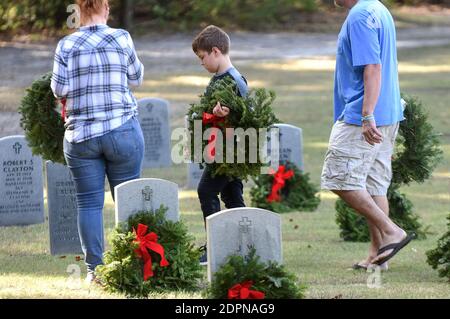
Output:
x,y
210,37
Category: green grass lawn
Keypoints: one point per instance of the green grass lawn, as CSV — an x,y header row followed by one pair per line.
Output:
x,y
312,247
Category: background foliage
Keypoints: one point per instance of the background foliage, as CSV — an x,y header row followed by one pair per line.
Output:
x,y
439,258
49,16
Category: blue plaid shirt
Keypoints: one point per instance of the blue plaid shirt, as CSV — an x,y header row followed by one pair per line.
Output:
x,y
93,68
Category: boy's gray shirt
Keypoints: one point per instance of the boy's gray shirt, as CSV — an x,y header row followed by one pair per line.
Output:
x,y
241,82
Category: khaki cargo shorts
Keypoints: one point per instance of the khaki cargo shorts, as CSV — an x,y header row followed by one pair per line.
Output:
x,y
353,164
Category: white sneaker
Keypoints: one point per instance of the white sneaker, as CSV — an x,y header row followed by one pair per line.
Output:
x,y
91,278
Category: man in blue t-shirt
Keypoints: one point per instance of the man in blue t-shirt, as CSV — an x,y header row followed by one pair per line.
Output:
x,y
367,112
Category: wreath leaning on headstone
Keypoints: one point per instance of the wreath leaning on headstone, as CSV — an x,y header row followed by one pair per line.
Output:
x,y
252,112
42,121
439,258
249,278
417,154
150,254
286,190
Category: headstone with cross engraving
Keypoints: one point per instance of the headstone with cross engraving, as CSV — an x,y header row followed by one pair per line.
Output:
x,y
236,230
21,184
146,194
62,210
290,145
154,120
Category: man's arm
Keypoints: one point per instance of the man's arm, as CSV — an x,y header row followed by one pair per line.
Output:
x,y
372,86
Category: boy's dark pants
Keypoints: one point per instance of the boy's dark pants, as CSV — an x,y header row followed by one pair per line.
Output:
x,y
230,190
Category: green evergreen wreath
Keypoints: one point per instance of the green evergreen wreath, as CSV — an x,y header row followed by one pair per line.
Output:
x,y
41,121
272,279
439,258
298,194
253,111
417,154
123,269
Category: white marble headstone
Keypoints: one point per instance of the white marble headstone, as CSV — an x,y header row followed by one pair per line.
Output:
x,y
234,231
154,120
194,175
21,183
62,210
146,194
291,145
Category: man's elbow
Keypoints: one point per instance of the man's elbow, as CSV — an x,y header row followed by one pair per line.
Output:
x,y
372,72
373,68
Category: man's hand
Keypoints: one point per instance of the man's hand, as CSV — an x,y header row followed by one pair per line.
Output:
x,y
372,86
221,111
371,133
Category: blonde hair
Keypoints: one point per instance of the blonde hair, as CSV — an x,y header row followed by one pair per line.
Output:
x,y
88,8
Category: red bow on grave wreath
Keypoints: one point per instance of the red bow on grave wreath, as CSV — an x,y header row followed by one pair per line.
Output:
x,y
215,121
279,182
63,109
242,291
148,241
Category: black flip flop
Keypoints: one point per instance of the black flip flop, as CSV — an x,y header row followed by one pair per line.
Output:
x,y
358,267
396,248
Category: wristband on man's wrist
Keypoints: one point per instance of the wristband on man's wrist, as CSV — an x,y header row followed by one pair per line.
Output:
x,y
368,118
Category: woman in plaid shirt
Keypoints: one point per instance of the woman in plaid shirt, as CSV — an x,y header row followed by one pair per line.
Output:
x,y
93,70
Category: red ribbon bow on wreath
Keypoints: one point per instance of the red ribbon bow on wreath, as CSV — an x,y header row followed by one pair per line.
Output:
x,y
148,241
242,291
214,120
63,109
279,182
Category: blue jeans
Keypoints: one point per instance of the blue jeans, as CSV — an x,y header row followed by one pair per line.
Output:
x,y
118,154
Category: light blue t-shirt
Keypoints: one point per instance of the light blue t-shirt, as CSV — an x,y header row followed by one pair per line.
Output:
x,y
367,37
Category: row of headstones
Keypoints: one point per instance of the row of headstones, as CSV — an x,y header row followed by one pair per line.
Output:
x,y
228,232
22,194
154,120
22,197
231,231
21,180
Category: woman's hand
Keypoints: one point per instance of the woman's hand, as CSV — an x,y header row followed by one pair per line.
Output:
x,y
221,111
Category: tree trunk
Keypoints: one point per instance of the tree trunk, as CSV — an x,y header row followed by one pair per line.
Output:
x,y
127,14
